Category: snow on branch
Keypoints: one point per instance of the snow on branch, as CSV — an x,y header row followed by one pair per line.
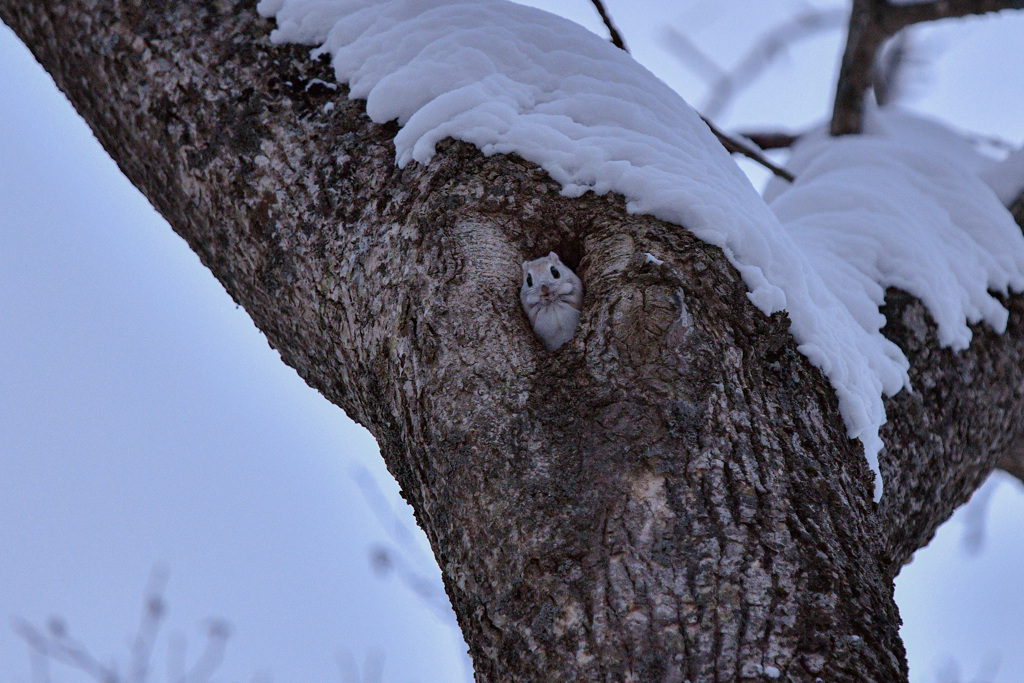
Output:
x,y
899,15
902,206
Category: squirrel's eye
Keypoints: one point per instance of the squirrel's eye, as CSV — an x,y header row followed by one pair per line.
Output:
x,y
529,280
554,273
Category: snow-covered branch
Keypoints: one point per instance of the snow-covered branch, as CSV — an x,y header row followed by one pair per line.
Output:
x,y
899,15
512,79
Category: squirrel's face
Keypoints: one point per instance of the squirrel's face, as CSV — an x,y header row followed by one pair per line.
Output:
x,y
546,280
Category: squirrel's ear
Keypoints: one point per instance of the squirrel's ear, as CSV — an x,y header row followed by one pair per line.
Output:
x,y
524,266
553,255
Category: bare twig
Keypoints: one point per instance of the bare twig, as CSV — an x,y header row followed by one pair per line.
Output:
x,y
386,559
686,51
153,611
872,22
735,146
763,53
616,37
974,516
771,140
726,84
217,633
59,647
732,144
56,645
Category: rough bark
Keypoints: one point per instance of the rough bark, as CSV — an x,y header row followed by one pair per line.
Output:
x,y
669,497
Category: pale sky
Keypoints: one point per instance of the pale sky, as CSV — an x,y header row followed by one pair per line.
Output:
x,y
144,420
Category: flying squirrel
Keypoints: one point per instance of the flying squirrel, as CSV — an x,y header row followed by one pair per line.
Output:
x,y
552,296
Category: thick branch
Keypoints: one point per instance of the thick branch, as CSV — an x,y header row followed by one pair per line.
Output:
x,y
872,22
898,17
866,34
1012,462
671,496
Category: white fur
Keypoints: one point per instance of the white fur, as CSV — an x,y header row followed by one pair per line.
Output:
x,y
551,303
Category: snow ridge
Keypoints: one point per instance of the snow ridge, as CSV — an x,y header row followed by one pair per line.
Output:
x,y
865,213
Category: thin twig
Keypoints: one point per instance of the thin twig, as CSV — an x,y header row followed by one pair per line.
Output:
x,y
373,668
217,634
735,146
617,40
763,53
60,648
772,139
686,51
153,611
724,84
56,645
386,560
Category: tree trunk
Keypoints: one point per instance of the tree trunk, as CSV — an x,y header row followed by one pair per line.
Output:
x,y
669,497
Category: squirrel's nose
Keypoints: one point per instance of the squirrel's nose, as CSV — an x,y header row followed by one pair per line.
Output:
x,y
544,289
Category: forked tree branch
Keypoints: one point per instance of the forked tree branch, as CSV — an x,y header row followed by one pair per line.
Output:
x,y
55,644
872,22
765,52
724,85
733,145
